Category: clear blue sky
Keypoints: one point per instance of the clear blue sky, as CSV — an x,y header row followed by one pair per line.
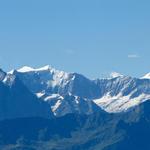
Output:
x,y
91,37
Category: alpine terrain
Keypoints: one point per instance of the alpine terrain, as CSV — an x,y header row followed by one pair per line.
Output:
x,y
73,93
53,110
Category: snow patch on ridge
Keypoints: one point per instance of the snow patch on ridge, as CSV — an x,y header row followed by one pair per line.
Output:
x,y
28,69
11,72
39,95
5,79
115,75
54,108
147,76
52,96
25,69
76,100
120,103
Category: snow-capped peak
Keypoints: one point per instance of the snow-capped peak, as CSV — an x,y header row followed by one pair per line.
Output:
x,y
28,69
25,69
115,75
46,77
147,76
47,67
11,72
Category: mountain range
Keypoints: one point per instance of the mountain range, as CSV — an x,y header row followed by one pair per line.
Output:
x,y
53,110
65,93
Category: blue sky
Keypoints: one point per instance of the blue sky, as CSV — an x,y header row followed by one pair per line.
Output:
x,y
91,37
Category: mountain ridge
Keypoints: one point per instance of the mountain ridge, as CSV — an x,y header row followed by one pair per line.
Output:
x,y
117,94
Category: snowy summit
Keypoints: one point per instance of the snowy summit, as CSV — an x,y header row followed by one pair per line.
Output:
x,y
28,69
115,75
147,76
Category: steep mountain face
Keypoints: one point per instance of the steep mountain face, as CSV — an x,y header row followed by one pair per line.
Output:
x,y
99,131
17,101
71,104
49,80
66,92
122,93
